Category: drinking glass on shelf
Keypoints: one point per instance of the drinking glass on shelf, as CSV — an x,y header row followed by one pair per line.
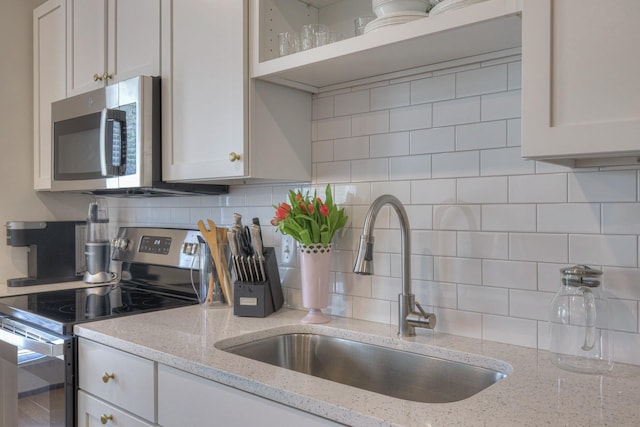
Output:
x,y
313,35
360,22
288,43
334,37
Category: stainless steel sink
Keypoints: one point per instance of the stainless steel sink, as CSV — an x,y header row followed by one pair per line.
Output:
x,y
383,370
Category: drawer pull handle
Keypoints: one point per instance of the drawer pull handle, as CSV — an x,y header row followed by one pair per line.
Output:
x,y
104,418
234,157
106,377
97,78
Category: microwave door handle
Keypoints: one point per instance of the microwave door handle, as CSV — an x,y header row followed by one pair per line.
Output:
x,y
107,167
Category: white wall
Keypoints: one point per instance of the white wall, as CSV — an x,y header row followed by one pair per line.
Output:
x,y
19,201
490,230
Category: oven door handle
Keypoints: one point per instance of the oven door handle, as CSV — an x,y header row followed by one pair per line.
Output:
x,y
53,349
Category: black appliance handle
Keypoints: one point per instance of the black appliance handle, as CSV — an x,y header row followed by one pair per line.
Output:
x,y
113,145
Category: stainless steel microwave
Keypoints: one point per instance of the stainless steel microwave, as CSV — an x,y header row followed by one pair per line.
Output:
x,y
107,141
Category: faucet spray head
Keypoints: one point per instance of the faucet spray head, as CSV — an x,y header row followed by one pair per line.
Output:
x,y
364,257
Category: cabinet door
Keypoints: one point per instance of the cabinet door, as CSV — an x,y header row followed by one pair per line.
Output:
x,y
204,89
117,377
86,44
49,77
188,400
580,96
94,412
133,39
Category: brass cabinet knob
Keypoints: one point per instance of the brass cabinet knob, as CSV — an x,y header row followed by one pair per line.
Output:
x,y
104,418
97,78
107,76
234,157
106,377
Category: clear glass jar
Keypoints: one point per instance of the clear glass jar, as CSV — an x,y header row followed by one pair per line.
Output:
x,y
579,335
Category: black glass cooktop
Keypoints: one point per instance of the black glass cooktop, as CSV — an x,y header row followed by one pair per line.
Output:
x,y
58,311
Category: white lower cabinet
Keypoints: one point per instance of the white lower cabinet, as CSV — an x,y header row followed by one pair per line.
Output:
x,y
94,412
114,383
188,400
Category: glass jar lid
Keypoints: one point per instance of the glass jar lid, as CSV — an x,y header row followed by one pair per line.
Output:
x,y
581,275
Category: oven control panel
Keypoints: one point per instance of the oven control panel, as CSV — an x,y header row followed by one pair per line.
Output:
x,y
161,246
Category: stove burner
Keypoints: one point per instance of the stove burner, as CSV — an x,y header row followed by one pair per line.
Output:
x,y
67,309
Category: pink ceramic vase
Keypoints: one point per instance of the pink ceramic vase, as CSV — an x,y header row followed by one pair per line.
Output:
x,y
315,263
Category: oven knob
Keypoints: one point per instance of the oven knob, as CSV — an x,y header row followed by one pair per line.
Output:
x,y
121,243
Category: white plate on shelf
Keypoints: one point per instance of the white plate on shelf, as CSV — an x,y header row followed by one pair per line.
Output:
x,y
393,19
448,5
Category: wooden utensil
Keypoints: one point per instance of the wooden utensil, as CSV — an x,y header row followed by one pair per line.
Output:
x,y
211,236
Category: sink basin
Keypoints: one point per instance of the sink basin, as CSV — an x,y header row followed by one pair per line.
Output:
x,y
395,373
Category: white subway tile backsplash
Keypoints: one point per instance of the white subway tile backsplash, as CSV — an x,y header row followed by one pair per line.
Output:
x,y
456,217
433,89
529,304
457,270
435,140
569,218
322,151
322,108
514,132
437,243
509,274
409,167
459,164
436,191
623,283
612,250
389,144
370,170
482,190
351,103
370,123
478,136
621,218
447,144
409,118
545,188
504,161
508,217
337,127
503,105
481,81
483,299
391,96
610,186
514,75
483,245
351,148
538,247
510,330
456,112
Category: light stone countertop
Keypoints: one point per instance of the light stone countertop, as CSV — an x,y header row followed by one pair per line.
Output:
x,y
536,393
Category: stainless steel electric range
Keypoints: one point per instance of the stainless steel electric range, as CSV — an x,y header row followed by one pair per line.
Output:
x,y
157,268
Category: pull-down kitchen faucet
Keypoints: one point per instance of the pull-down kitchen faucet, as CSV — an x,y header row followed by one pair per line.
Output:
x,y
408,319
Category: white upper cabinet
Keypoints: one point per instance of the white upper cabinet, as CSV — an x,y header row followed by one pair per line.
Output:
x,y
477,29
49,77
111,40
216,123
580,94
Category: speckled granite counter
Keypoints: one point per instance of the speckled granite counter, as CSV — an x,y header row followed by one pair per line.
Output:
x,y
535,393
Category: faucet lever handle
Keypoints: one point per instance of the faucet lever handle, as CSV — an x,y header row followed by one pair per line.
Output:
x,y
424,313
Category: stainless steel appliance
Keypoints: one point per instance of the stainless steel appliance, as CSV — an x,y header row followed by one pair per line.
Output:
x,y
97,247
56,250
108,141
37,345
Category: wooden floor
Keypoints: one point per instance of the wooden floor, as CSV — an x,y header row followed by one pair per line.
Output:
x,y
35,411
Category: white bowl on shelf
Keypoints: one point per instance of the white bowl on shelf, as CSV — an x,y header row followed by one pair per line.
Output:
x,y
386,7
